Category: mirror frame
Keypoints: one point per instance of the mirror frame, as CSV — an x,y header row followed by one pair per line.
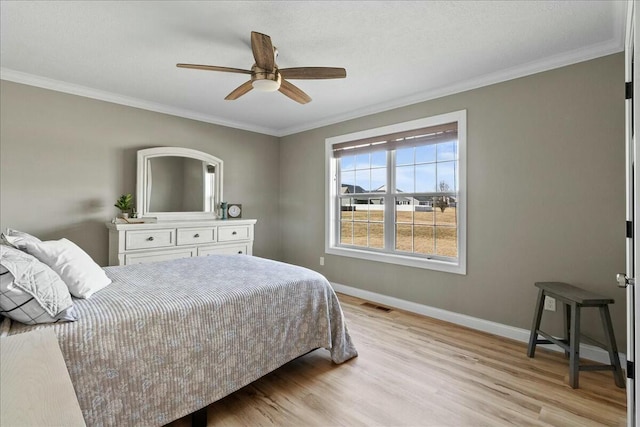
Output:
x,y
142,189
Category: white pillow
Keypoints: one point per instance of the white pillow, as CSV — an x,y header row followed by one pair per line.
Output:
x,y
79,272
30,291
14,237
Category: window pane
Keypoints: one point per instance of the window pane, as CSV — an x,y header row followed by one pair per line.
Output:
x,y
360,233
346,209
378,179
347,163
404,237
447,151
360,212
423,240
445,210
404,179
376,235
424,211
404,156
347,179
346,232
447,176
376,210
426,178
362,161
363,181
404,209
426,154
447,241
379,159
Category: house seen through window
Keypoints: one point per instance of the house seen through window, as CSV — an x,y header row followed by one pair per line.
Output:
x,y
396,194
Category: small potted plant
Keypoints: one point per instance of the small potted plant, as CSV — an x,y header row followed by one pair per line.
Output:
x,y
124,204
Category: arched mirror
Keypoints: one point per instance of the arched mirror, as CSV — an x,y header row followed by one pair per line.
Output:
x,y
178,183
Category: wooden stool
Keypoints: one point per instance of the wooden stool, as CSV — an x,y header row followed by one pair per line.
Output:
x,y
574,299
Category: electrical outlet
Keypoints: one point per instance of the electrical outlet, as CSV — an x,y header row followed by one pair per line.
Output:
x,y
321,260
549,304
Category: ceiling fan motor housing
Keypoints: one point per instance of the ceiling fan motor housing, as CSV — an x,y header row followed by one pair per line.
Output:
x,y
265,80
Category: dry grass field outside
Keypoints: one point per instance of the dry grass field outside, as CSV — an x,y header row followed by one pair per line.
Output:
x,y
429,233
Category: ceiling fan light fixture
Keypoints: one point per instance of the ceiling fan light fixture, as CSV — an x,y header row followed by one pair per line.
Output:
x,y
266,85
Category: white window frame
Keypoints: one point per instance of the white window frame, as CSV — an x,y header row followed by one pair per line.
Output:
x,y
332,218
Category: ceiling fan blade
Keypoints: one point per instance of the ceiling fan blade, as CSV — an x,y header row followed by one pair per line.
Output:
x,y
294,92
214,68
263,51
301,73
239,91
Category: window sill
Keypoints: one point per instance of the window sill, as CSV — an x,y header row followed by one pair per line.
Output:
x,y
429,264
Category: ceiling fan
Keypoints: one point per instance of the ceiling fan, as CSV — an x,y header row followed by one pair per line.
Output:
x,y
267,77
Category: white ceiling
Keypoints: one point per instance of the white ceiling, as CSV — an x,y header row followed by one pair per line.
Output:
x,y
396,53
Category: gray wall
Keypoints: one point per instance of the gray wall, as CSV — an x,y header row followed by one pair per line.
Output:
x,y
545,185
545,197
64,160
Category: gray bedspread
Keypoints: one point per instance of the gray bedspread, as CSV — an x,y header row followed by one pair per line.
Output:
x,y
166,339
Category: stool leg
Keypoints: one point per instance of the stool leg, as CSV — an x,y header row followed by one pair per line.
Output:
x,y
567,322
537,316
611,345
574,346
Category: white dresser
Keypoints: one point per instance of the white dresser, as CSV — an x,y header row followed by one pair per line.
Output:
x,y
165,240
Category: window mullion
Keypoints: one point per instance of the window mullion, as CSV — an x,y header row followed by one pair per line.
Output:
x,y
389,203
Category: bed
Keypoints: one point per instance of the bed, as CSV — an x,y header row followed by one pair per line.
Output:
x,y
166,339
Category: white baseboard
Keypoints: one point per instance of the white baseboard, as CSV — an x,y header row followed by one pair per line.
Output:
x,y
589,352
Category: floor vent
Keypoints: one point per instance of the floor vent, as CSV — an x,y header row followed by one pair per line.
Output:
x,y
377,307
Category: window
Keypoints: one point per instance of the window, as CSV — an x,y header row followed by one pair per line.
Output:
x,y
397,194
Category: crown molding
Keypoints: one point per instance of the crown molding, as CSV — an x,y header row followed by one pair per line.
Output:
x,y
534,67
512,73
87,92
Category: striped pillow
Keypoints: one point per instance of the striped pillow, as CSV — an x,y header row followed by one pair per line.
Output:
x,y
30,291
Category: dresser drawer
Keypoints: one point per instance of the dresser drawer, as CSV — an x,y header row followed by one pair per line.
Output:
x,y
233,232
154,256
135,243
195,236
146,239
242,249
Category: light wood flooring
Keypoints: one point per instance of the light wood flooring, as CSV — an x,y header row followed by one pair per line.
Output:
x,y
418,371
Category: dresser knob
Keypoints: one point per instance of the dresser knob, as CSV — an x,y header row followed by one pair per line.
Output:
x,y
240,252
234,233
195,236
150,239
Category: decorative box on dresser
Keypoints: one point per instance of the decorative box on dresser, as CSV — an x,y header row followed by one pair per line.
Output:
x,y
138,243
